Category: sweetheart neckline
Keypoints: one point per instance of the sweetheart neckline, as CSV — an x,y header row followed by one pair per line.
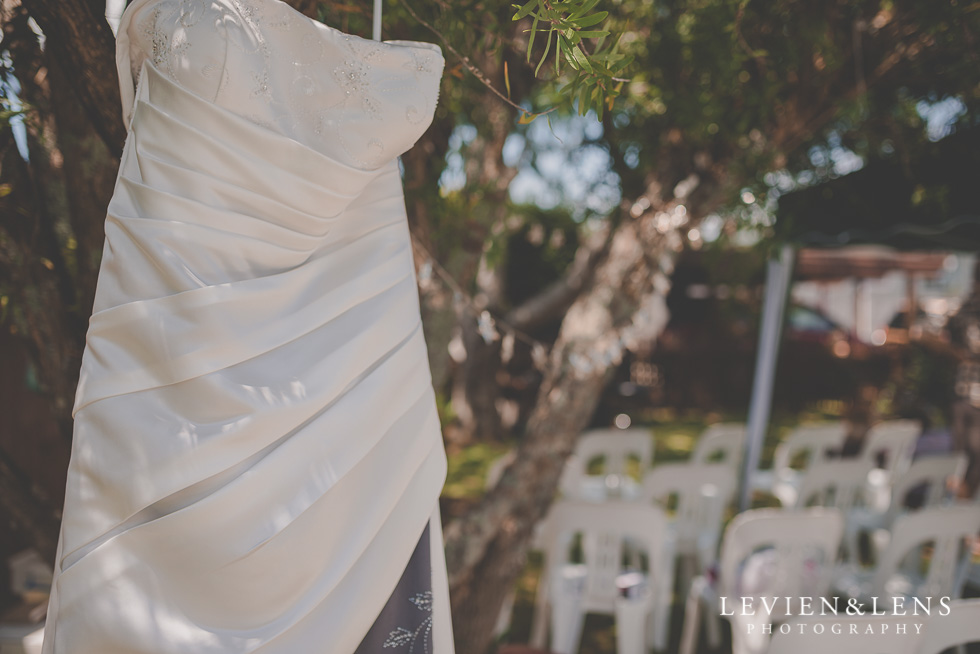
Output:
x,y
423,45
128,76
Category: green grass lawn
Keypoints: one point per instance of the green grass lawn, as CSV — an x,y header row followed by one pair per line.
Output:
x,y
674,435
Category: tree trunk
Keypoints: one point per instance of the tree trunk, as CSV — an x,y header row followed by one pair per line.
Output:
x,y
29,513
474,385
620,304
31,253
486,549
78,36
89,176
423,163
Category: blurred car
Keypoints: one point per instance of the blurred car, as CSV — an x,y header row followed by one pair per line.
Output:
x,y
926,325
807,325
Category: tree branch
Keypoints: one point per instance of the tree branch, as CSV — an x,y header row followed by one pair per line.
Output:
x,y
476,72
554,300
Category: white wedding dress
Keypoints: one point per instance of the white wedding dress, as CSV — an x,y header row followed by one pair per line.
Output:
x,y
257,456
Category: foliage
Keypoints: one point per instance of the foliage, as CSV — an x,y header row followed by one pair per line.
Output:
x,y
468,468
573,28
763,82
921,386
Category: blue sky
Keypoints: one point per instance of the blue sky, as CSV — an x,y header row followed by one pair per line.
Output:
x,y
559,165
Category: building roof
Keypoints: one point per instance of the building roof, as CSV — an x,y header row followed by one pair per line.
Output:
x,y
929,203
863,261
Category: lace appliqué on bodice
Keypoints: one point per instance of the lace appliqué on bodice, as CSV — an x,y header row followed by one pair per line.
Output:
x,y
361,102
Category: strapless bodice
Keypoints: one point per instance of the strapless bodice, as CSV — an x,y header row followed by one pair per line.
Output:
x,y
358,101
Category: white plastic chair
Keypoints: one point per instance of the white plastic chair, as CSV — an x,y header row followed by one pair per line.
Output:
x,y
946,528
931,474
724,441
934,472
837,483
960,627
616,447
939,632
21,639
815,441
569,590
895,439
701,494
894,442
764,553
889,634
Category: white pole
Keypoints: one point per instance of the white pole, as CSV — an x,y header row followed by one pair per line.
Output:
x,y
778,276
377,21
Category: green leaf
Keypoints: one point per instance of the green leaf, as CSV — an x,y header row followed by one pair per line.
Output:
x,y
566,47
547,49
589,21
599,69
525,10
584,8
581,58
530,40
526,118
610,57
552,128
558,44
583,100
620,65
591,34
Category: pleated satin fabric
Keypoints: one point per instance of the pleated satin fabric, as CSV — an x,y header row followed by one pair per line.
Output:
x,y
257,449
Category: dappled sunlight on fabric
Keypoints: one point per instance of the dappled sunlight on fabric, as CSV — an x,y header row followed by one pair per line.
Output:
x,y
295,390
258,447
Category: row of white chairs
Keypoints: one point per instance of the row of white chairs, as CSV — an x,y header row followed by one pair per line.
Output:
x,y
764,553
782,553
688,535
883,469
944,628
701,491
857,486
886,453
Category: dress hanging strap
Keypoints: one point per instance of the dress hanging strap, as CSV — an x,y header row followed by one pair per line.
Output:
x,y
113,12
376,34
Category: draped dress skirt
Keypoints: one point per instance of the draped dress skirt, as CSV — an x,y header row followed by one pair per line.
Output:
x,y
257,455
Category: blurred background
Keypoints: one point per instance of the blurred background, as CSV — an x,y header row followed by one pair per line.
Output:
x,y
597,246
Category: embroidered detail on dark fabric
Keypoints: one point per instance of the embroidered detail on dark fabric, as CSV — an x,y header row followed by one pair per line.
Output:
x,y
402,636
404,626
